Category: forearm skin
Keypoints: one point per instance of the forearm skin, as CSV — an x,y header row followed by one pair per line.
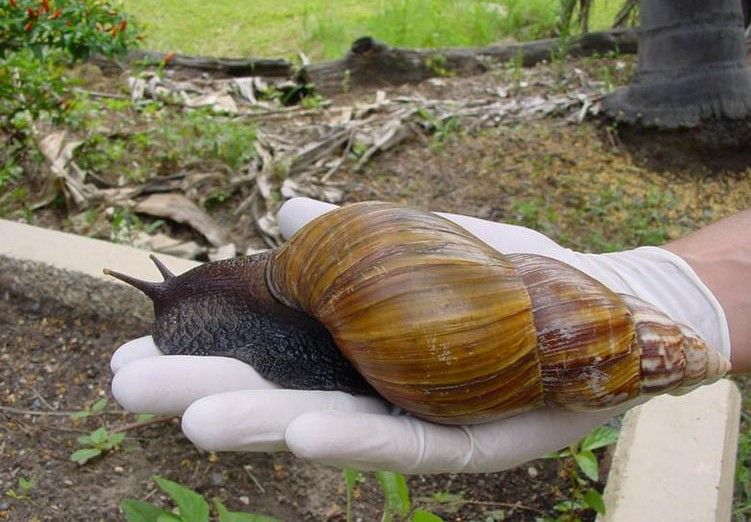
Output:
x,y
720,254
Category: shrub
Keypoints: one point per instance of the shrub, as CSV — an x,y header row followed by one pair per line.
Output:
x,y
37,37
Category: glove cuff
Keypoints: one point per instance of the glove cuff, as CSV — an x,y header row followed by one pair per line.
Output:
x,y
665,280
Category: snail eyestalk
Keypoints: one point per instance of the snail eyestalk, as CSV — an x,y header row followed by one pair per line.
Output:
x,y
151,289
166,274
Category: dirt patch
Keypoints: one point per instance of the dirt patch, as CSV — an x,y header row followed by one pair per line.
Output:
x,y
54,360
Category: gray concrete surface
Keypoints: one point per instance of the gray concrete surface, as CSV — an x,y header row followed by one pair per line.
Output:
x,y
67,269
675,460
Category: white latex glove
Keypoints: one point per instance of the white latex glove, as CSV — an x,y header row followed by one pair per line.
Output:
x,y
227,406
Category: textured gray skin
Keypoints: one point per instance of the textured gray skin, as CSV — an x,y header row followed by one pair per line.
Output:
x,y
225,309
692,66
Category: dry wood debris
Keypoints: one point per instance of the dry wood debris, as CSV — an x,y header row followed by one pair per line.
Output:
x,y
299,150
304,161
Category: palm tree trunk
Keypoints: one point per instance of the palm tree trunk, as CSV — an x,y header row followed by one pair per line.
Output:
x,y
692,66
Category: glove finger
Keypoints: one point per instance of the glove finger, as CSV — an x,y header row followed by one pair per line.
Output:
x,y
133,350
167,385
297,212
513,238
257,420
510,442
379,442
408,445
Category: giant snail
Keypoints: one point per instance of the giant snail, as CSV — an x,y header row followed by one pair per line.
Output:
x,y
380,298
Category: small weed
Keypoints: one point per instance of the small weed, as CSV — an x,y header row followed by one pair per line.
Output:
x,y
583,474
742,500
517,69
125,226
95,444
347,81
190,506
23,490
216,199
442,129
88,411
10,172
564,31
397,503
313,101
436,63
166,141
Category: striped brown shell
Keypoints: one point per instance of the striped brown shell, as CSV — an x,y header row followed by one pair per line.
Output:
x,y
452,331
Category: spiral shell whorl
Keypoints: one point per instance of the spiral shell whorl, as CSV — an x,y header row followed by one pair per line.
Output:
x,y
435,320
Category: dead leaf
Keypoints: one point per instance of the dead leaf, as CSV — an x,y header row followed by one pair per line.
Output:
x,y
182,210
227,251
165,244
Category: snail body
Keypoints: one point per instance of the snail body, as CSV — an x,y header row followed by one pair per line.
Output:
x,y
379,297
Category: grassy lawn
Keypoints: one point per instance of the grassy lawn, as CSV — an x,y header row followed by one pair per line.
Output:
x,y
325,29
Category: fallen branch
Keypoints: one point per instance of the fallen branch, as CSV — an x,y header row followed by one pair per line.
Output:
x,y
233,67
41,413
374,64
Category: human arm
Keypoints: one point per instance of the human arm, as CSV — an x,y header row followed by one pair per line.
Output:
x,y
720,254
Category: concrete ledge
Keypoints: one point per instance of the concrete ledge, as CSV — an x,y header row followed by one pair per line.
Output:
x,y
675,459
49,265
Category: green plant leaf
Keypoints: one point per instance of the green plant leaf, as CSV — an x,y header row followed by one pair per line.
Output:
x,y
27,484
599,438
82,456
99,405
169,517
395,491
98,436
594,500
237,516
444,497
84,440
351,476
143,417
80,414
587,462
557,454
192,506
139,511
115,438
425,516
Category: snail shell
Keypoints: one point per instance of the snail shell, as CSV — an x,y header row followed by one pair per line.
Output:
x,y
433,319
452,331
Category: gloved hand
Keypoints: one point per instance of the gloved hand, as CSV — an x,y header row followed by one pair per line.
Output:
x,y
227,406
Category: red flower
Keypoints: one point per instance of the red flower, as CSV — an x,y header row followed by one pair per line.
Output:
x,y
13,3
56,14
31,13
45,6
123,25
28,26
169,57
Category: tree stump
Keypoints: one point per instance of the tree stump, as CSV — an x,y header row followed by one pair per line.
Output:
x,y
692,71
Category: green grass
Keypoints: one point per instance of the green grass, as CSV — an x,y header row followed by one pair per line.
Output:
x,y
264,28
